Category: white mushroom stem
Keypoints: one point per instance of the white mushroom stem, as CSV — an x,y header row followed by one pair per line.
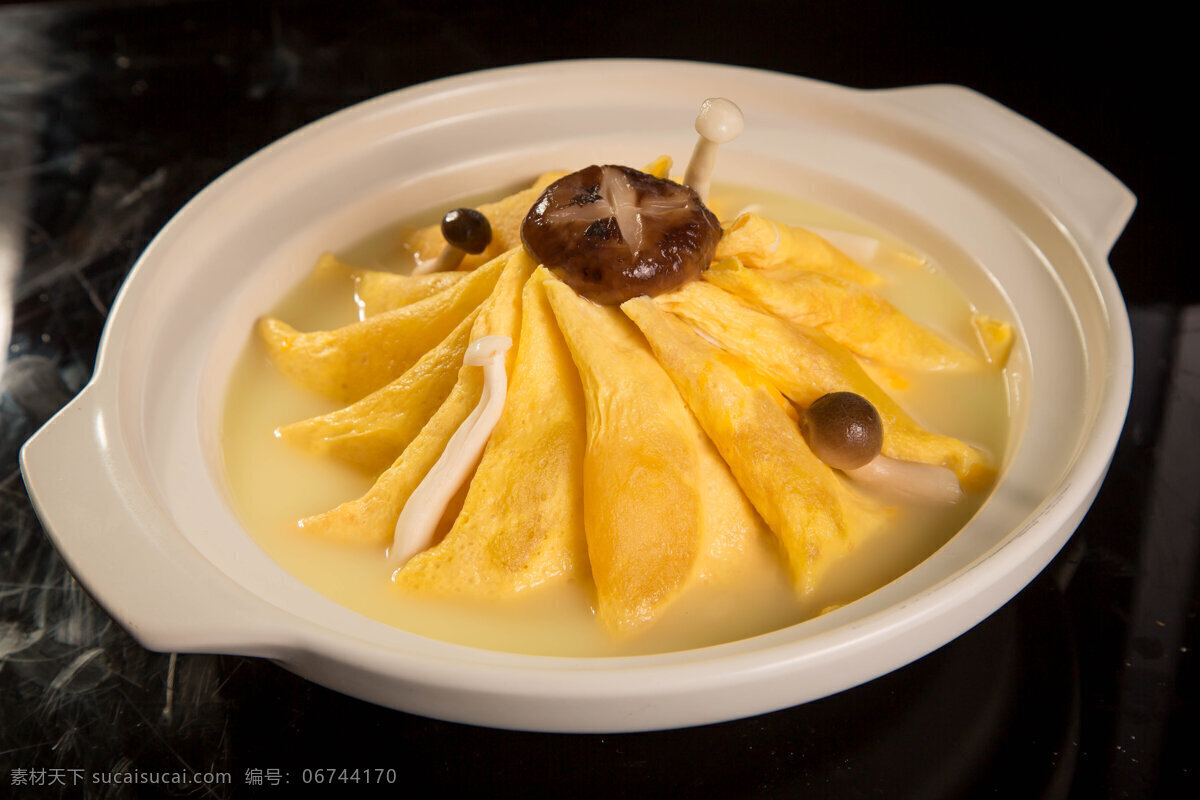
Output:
x,y
448,259
427,504
909,480
719,121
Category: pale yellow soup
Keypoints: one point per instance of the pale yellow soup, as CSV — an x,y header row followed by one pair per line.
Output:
x,y
274,484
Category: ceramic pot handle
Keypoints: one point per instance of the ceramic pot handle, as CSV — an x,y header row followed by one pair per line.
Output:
x,y
1087,197
160,589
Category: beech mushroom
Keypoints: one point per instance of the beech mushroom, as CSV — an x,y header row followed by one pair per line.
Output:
x,y
465,231
911,480
424,508
720,121
844,430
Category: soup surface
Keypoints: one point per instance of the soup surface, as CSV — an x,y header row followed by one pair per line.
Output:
x,y
274,484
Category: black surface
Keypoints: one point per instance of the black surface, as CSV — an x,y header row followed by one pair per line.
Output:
x,y
114,115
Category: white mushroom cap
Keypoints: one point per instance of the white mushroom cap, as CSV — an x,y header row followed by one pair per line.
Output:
x,y
720,120
486,350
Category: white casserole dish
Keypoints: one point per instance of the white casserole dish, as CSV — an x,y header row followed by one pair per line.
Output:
x,y
127,478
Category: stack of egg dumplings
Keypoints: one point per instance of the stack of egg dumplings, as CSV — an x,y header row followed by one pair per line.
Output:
x,y
639,444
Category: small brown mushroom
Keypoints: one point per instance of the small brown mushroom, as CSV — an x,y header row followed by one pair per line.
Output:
x,y
465,231
845,431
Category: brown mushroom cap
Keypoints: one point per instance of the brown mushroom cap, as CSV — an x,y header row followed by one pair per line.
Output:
x,y
467,229
843,429
614,233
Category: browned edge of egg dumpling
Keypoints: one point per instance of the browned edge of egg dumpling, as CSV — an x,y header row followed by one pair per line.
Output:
x,y
613,233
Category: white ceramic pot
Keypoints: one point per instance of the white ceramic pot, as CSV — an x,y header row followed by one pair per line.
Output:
x,y
127,477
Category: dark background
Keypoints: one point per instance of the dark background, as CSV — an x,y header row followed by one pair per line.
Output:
x,y
112,115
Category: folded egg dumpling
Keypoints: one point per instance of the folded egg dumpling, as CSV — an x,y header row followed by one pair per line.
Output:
x,y
995,336
641,472
521,523
376,291
860,320
350,362
805,364
373,432
372,517
816,518
762,243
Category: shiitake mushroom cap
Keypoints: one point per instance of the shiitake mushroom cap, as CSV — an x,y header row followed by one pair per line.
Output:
x,y
843,429
613,233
